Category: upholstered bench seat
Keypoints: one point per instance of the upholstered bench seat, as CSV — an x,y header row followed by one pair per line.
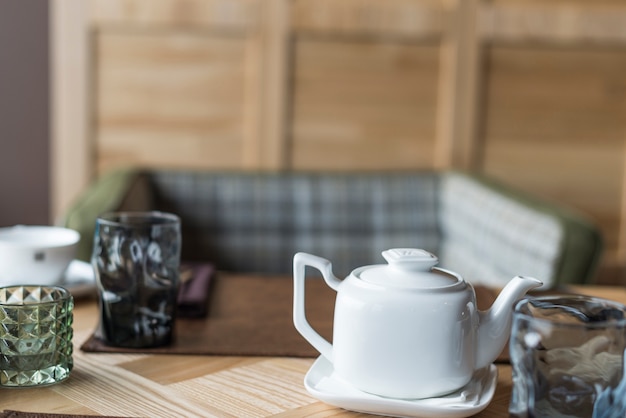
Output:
x,y
255,222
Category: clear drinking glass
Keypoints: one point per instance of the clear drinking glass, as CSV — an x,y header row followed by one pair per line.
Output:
x,y
35,335
567,355
136,258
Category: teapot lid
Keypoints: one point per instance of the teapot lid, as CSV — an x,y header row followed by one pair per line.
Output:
x,y
409,267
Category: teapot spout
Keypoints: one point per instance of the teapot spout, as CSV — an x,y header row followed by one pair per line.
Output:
x,y
494,325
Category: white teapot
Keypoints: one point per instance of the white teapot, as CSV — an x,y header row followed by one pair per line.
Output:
x,y
405,329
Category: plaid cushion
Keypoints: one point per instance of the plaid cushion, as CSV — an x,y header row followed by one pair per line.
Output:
x,y
256,222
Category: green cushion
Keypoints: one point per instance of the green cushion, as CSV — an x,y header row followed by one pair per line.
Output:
x,y
104,195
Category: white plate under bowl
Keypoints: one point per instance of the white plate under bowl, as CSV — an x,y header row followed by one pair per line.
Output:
x,y
322,382
79,279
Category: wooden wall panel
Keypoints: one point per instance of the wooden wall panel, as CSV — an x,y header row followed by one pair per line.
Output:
x,y
398,18
363,105
554,125
169,98
555,21
71,156
222,14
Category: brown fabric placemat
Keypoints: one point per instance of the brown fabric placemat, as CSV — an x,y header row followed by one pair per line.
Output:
x,y
247,316
253,316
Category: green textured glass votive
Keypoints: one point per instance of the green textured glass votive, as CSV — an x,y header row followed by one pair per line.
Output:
x,y
35,335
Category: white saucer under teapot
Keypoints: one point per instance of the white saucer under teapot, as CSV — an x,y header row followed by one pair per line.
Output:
x,y
407,329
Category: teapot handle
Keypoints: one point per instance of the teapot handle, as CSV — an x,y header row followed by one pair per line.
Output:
x,y
300,261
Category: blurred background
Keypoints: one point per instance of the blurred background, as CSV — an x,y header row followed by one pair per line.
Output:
x,y
24,113
532,93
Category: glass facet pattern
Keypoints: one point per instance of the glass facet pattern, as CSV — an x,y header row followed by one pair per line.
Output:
x,y
35,335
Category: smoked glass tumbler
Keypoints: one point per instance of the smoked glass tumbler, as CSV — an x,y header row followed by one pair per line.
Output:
x,y
567,354
136,258
35,335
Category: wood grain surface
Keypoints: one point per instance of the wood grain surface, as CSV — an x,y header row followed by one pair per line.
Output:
x,y
145,385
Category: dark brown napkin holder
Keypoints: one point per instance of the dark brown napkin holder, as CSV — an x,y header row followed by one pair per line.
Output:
x,y
195,289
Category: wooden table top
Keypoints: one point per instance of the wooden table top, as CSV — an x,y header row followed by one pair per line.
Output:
x,y
140,385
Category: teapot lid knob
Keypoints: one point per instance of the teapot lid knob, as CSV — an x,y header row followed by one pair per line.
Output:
x,y
410,259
